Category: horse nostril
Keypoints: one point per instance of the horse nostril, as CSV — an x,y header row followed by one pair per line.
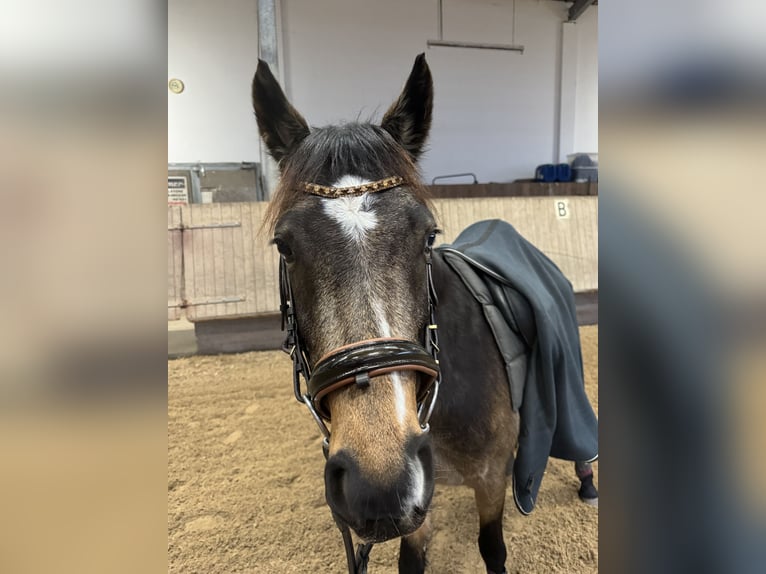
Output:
x,y
423,452
422,479
337,472
335,479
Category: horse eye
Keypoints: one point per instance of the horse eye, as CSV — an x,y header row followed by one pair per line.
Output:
x,y
283,248
431,239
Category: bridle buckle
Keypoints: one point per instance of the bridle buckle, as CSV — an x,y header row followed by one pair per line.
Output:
x,y
362,380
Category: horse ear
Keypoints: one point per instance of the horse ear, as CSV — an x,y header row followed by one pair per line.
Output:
x,y
281,126
408,119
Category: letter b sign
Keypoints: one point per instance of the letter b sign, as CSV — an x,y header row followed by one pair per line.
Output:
x,y
562,208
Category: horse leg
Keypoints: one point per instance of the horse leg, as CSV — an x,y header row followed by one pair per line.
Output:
x,y
490,501
588,493
412,550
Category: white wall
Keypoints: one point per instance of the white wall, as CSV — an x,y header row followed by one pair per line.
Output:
x,y
495,112
586,105
213,49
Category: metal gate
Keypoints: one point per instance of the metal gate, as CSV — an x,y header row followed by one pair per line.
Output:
x,y
220,267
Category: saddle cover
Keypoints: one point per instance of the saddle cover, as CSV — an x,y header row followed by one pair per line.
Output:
x,y
529,305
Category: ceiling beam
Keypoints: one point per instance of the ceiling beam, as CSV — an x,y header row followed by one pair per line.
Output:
x,y
576,10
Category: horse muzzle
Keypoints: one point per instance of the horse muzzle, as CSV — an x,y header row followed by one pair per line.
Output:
x,y
375,511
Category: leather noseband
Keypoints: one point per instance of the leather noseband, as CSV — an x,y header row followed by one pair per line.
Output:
x,y
361,361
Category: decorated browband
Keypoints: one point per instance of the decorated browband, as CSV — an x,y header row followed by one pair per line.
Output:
x,y
372,187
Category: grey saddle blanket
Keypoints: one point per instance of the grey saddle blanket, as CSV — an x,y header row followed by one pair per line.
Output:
x,y
530,307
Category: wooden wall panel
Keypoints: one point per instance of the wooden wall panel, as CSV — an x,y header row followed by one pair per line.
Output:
x,y
519,188
230,270
571,243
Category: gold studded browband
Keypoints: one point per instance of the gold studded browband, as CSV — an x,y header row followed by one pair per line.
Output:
x,y
334,192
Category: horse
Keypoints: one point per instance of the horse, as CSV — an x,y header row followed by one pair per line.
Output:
x,y
355,231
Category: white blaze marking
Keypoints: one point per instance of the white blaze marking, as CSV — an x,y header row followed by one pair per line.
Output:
x,y
418,487
380,315
355,218
400,399
352,213
350,181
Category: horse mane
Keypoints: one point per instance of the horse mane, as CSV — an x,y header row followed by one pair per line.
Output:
x,y
329,153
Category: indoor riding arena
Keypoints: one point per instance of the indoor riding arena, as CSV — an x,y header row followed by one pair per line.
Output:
x,y
514,136
246,484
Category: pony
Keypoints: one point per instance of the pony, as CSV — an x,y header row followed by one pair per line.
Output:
x,y
354,228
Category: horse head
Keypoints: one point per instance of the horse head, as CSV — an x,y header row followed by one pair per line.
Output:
x,y
352,223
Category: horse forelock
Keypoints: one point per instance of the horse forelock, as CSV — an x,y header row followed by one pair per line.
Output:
x,y
327,154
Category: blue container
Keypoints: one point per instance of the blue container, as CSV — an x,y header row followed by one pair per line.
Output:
x,y
563,172
546,173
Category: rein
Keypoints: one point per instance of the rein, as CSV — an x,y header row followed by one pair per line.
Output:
x,y
359,362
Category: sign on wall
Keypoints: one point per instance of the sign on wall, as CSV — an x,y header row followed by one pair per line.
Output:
x,y
178,190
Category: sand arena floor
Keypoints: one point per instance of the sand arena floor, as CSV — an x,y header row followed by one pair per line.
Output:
x,y
246,492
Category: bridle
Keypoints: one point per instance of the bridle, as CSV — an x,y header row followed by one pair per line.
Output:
x,y
359,362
